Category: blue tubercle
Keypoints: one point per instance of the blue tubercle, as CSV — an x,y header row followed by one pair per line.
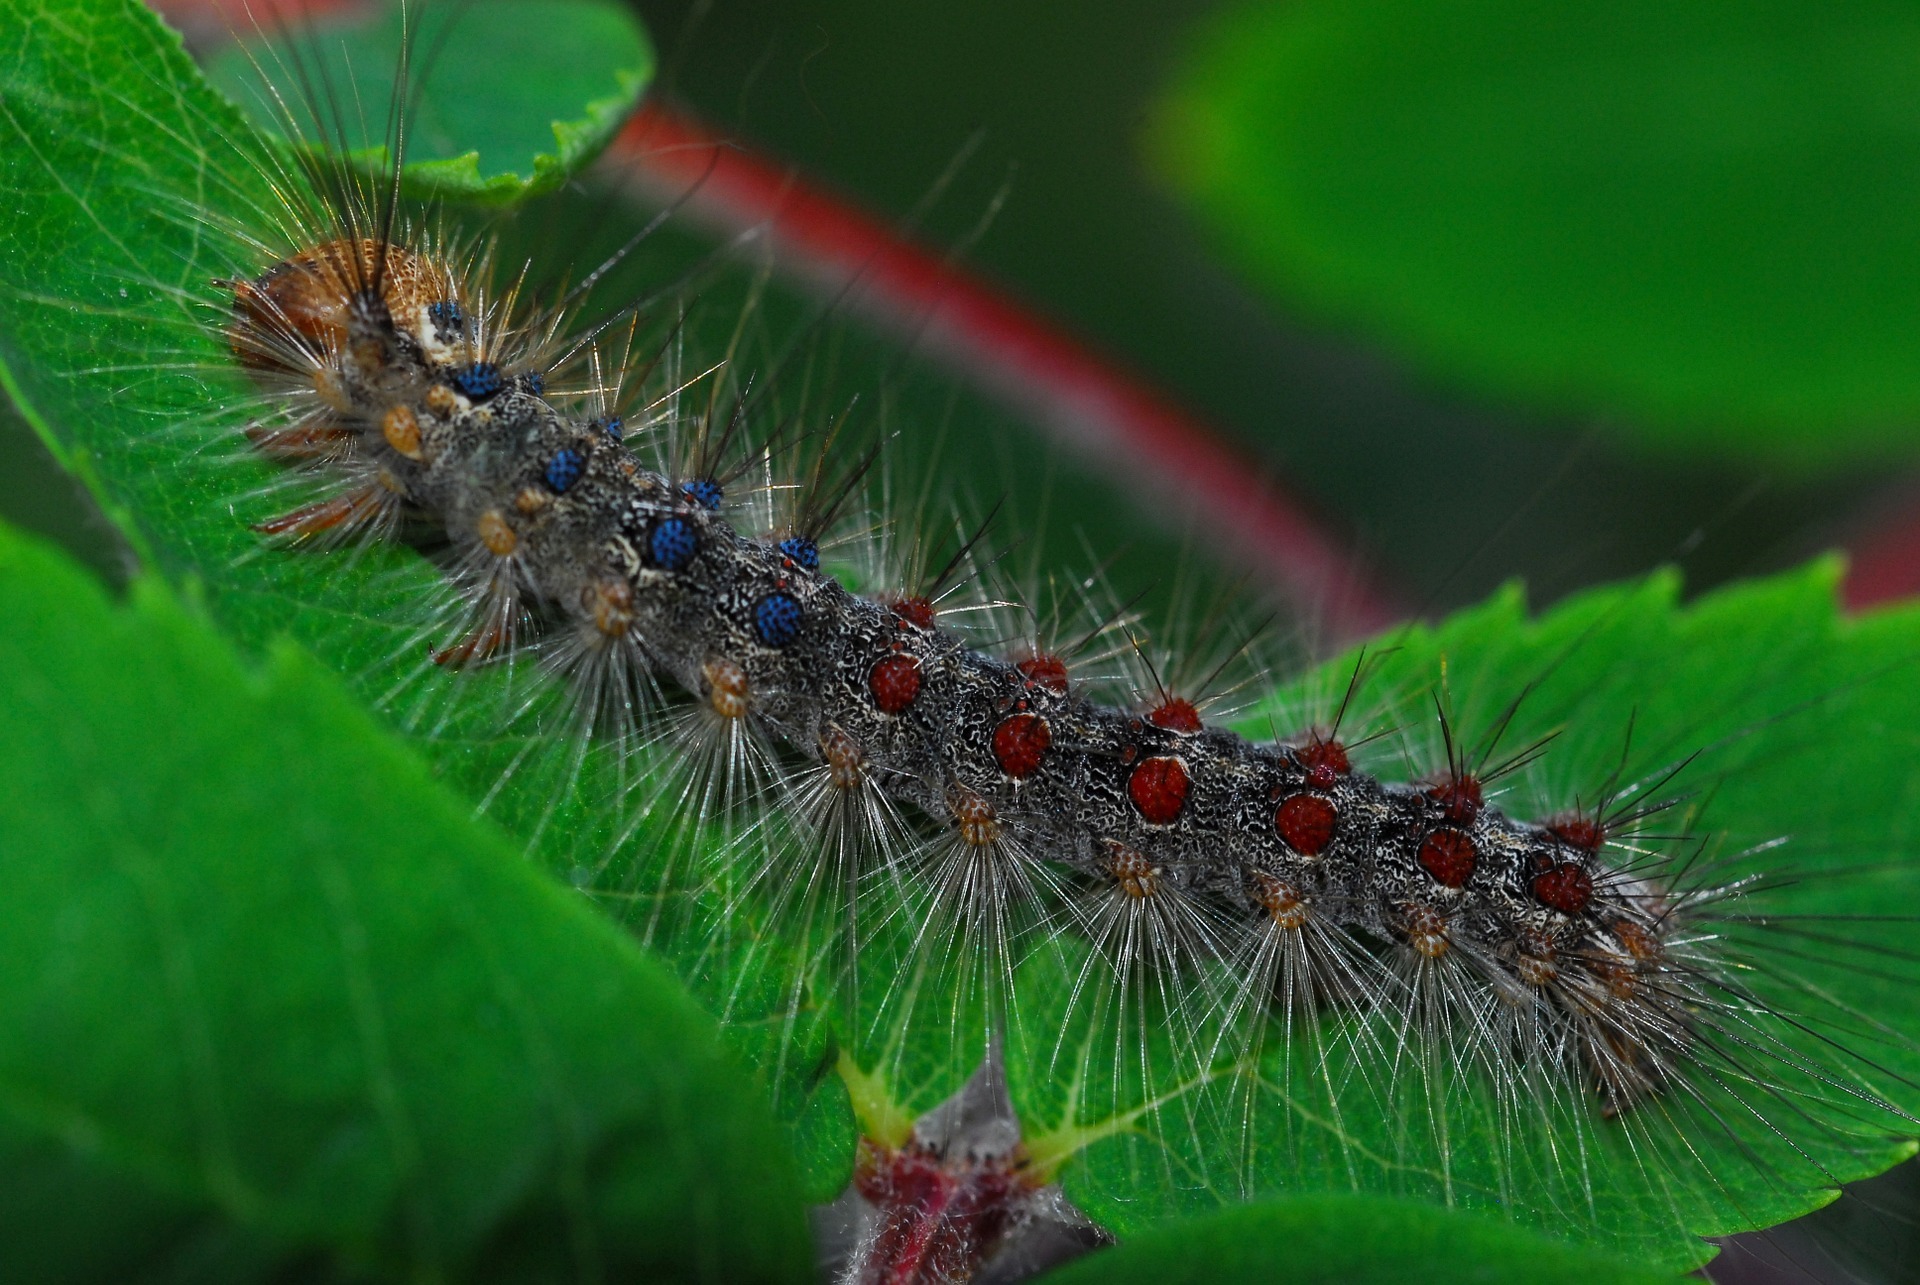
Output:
x,y
672,545
611,426
776,618
564,469
534,382
448,317
801,551
478,381
704,491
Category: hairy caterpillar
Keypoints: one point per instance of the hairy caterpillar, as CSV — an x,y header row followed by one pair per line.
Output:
x,y
1121,893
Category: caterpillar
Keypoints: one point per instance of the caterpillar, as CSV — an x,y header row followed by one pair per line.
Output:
x,y
551,516
928,838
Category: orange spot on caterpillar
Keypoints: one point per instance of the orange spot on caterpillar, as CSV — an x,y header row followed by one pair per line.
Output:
x,y
1621,982
1426,931
1281,900
979,824
727,687
496,534
401,427
1639,944
846,761
1535,965
610,603
1138,878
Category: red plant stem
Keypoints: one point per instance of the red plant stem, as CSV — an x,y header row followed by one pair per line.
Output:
x,y
1171,461
1885,555
937,1218
1124,427
212,23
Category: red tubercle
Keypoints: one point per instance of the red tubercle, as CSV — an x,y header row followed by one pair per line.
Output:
x,y
915,610
894,683
1325,760
1306,823
1450,857
1158,788
1045,671
1020,743
1176,715
1460,798
1566,888
1576,831
1119,424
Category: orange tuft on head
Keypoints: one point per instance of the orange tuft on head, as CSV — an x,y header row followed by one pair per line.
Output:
x,y
301,302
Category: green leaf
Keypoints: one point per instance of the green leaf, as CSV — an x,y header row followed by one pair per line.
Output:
x,y
512,96
1802,721
70,1217
139,188
1343,1240
257,969
106,346
1696,216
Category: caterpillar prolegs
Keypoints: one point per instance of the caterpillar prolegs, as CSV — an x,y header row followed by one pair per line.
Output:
x,y
1239,957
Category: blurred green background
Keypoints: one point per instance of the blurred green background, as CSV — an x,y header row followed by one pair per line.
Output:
x,y
1447,482
1449,491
